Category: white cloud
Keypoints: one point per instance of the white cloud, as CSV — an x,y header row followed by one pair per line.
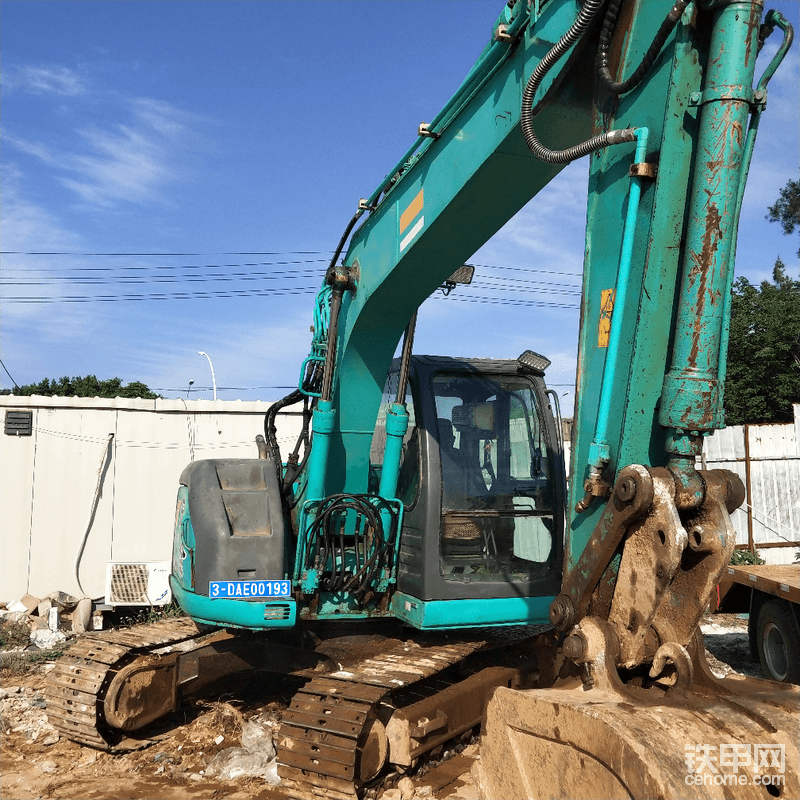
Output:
x,y
45,80
125,150
36,149
29,230
132,161
123,164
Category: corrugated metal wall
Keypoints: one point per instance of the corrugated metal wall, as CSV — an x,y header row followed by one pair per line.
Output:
x,y
767,459
48,482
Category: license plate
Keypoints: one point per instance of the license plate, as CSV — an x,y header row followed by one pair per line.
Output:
x,y
249,589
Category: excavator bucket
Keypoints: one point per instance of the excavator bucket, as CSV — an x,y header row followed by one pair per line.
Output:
x,y
596,737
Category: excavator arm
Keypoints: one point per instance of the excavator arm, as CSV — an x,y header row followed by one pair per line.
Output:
x,y
662,98
660,95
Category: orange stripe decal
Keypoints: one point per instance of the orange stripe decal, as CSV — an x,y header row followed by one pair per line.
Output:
x,y
413,209
607,297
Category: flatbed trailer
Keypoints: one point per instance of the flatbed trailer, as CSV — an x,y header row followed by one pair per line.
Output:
x,y
771,595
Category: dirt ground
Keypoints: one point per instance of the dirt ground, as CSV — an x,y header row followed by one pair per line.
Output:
x,y
36,763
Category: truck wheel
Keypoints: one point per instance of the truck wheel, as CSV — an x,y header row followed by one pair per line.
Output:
x,y
778,642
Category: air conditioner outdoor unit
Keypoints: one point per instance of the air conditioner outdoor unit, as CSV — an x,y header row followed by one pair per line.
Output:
x,y
142,583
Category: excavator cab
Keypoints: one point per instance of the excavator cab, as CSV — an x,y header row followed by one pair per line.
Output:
x,y
484,438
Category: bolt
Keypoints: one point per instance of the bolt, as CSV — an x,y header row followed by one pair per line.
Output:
x,y
695,97
626,489
573,647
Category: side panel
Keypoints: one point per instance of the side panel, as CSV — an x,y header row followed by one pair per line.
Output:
x,y
237,521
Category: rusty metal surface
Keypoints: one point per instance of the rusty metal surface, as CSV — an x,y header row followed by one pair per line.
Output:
x,y
417,728
77,684
343,729
602,738
630,500
650,560
711,542
140,693
329,743
116,682
676,538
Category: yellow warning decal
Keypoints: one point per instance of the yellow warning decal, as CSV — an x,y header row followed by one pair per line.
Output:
x,y
413,209
606,310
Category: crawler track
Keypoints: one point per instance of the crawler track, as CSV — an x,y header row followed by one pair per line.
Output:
x,y
330,739
76,686
334,742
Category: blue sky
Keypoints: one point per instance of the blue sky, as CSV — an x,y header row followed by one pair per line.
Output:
x,y
204,133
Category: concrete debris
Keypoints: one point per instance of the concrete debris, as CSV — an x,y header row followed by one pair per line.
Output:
x,y
58,611
23,713
64,601
47,639
406,787
52,619
16,607
82,616
29,601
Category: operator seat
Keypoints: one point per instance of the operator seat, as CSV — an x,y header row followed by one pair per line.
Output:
x,y
458,484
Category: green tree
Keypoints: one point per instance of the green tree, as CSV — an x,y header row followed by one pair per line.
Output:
x,y
787,208
764,350
88,386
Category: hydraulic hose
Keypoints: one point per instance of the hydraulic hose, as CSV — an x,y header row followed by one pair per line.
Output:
x,y
573,35
607,33
270,429
345,235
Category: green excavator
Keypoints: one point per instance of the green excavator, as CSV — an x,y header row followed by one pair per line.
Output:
x,y
429,493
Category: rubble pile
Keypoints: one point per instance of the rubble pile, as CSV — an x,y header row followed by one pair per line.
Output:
x,y
50,619
22,713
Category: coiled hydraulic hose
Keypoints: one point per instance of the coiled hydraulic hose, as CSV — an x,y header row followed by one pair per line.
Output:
x,y
574,34
372,548
607,33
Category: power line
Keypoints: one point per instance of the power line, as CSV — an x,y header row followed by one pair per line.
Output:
x,y
529,287
151,267
526,269
239,293
165,255
236,276
120,298
9,374
138,275
171,267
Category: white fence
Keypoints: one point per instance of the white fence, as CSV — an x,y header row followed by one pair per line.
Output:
x,y
767,459
135,450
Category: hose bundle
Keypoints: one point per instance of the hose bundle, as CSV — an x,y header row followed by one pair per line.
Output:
x,y
371,546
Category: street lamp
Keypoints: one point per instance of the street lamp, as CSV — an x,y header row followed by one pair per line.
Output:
x,y
191,383
213,379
